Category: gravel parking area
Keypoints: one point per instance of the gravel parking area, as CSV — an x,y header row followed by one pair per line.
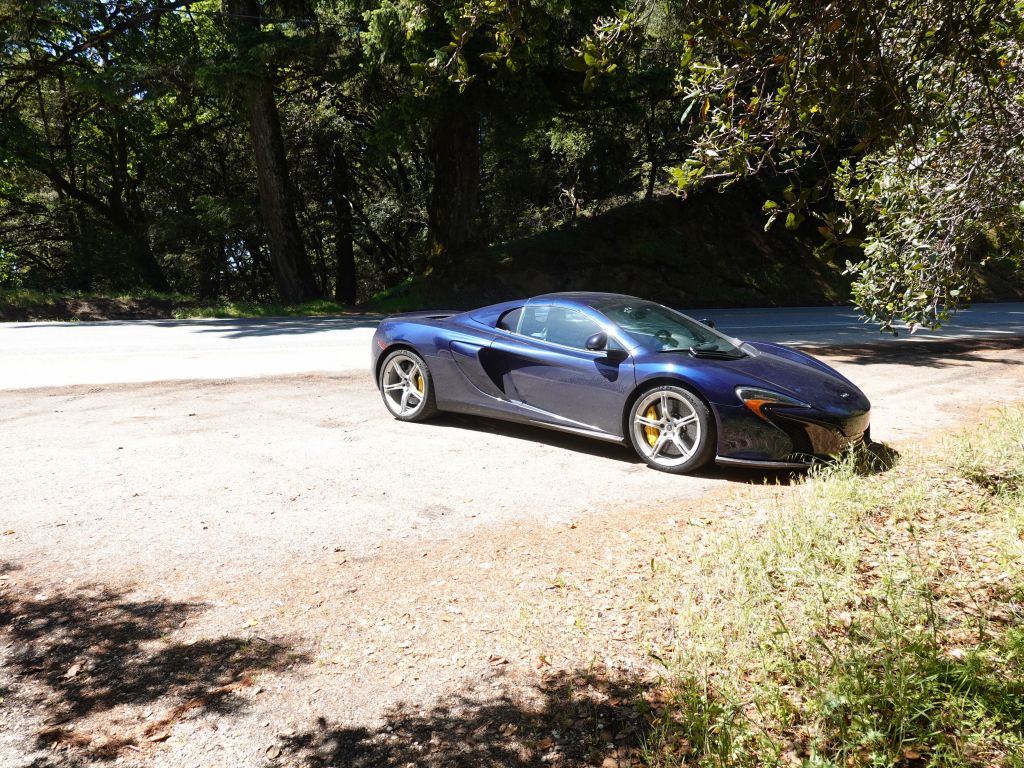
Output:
x,y
273,571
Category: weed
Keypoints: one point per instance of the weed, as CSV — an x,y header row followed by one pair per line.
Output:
x,y
861,620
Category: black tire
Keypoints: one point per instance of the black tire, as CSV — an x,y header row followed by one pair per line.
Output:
x,y
675,446
415,380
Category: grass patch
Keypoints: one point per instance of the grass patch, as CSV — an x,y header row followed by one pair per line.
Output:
x,y
859,621
319,307
27,297
24,304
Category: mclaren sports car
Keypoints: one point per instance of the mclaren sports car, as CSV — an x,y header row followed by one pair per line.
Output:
x,y
619,368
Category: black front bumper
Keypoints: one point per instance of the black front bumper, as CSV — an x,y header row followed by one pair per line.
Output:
x,y
814,438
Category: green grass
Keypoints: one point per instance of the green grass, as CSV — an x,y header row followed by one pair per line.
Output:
x,y
251,309
27,297
862,621
43,305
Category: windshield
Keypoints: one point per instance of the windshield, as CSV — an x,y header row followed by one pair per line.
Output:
x,y
665,330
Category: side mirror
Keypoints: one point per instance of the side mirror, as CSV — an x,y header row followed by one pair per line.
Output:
x,y
708,322
597,342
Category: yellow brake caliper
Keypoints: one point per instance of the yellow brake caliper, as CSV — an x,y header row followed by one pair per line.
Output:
x,y
419,382
651,432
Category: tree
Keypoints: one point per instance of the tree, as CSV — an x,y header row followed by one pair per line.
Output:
x,y
289,260
75,109
910,113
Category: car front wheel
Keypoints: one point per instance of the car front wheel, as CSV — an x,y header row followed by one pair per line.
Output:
x,y
672,430
406,386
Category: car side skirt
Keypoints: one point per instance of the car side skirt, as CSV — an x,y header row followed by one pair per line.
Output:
x,y
754,464
576,431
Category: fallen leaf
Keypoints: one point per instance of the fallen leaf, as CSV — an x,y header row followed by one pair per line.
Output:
x,y
159,736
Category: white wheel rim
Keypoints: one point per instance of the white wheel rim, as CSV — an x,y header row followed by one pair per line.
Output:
x,y
672,435
404,385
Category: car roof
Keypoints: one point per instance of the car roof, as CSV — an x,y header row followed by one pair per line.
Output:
x,y
592,299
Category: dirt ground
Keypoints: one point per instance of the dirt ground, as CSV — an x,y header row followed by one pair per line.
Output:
x,y
274,572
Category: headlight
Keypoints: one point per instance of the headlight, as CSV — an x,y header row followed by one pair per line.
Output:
x,y
756,398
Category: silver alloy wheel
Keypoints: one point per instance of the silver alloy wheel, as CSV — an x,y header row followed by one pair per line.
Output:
x,y
403,383
667,428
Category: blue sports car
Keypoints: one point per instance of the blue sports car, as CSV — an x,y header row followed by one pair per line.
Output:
x,y
622,369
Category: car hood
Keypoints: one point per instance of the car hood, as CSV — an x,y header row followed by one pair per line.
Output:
x,y
792,373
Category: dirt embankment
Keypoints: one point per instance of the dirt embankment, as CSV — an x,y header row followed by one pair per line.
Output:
x,y
74,308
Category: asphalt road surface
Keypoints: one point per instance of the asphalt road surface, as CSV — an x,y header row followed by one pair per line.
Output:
x,y
63,354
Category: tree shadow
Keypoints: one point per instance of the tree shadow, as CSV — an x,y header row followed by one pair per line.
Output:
x,y
77,654
571,718
280,326
238,328
932,354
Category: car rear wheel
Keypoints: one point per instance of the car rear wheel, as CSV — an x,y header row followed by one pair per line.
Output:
x,y
406,386
672,430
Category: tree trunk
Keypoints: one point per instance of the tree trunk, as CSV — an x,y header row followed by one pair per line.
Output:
x,y
454,214
289,261
211,258
345,263
148,267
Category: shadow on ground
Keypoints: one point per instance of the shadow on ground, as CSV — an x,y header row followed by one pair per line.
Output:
x,y
239,328
76,654
877,457
579,718
932,354
279,326
555,438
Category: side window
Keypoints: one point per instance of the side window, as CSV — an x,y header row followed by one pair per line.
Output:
x,y
534,322
509,321
558,326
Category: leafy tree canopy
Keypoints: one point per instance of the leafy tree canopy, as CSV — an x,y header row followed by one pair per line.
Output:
x,y
304,147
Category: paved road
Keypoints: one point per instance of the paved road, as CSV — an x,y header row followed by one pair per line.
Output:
x,y
62,354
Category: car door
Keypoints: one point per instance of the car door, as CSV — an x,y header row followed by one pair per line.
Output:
x,y
560,381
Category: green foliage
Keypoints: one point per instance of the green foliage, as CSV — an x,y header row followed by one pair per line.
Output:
x,y
127,160
909,113
320,307
9,277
